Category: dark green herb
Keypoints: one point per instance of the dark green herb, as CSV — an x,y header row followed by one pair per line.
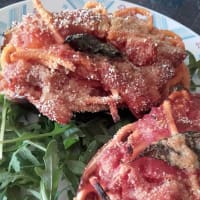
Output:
x,y
194,68
51,175
90,44
42,159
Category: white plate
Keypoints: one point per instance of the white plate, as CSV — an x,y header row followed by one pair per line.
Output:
x,y
15,12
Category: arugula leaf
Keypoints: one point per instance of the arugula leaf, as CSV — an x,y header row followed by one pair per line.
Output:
x,y
51,175
57,130
11,179
33,193
2,195
194,68
75,166
71,136
31,142
3,123
6,178
25,154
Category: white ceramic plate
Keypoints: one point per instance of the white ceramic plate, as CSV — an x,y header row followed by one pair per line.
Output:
x,y
15,12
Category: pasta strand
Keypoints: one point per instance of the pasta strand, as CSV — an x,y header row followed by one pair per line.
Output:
x,y
48,19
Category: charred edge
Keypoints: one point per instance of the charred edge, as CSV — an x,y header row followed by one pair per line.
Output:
x,y
161,151
158,151
90,44
100,191
193,142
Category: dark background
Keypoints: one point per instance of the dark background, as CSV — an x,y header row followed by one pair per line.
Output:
x,y
186,12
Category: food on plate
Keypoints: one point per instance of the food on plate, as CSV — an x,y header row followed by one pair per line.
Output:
x,y
88,60
156,157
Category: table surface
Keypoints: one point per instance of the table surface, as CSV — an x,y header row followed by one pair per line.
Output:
x,y
186,12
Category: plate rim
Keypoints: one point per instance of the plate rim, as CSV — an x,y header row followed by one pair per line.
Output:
x,y
126,2
192,41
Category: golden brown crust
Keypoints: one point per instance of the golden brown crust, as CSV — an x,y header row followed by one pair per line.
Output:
x,y
141,77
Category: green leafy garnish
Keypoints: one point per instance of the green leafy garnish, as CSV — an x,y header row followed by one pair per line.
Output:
x,y
43,160
3,122
194,68
50,176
